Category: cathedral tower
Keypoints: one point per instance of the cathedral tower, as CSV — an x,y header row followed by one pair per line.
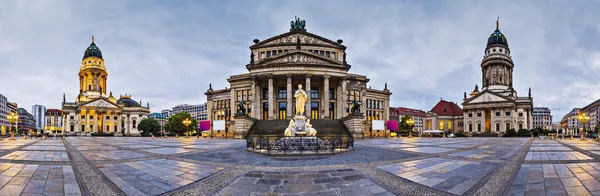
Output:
x,y
497,65
92,74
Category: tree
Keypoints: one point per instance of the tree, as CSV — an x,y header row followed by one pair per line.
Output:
x,y
403,127
175,123
148,126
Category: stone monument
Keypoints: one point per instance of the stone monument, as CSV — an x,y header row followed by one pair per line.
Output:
x,y
300,125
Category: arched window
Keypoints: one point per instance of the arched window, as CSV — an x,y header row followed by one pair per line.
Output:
x,y
89,87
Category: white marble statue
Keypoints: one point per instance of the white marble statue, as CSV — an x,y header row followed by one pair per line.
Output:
x,y
309,130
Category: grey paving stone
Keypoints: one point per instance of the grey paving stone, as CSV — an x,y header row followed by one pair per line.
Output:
x,y
269,181
327,180
252,187
298,188
556,191
363,190
233,192
552,181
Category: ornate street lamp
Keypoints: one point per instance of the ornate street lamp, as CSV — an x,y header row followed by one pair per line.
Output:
x,y
410,122
583,118
12,118
187,123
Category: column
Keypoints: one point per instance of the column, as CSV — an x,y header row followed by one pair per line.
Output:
x,y
253,99
307,87
344,96
271,104
325,102
258,104
290,105
232,103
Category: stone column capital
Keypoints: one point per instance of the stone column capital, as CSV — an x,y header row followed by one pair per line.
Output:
x,y
307,75
326,76
270,76
289,75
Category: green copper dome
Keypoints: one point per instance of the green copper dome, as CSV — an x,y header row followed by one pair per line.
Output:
x,y
497,38
92,51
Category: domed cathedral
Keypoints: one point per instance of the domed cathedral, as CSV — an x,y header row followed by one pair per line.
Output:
x,y
277,66
497,107
96,111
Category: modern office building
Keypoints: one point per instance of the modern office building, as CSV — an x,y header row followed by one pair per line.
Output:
x,y
39,114
542,118
168,113
198,112
26,121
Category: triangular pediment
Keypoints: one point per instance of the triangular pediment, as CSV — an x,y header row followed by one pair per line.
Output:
x,y
486,97
100,103
300,57
292,37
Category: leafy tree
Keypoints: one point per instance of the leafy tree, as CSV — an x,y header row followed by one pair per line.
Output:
x,y
511,133
175,124
148,126
402,125
524,133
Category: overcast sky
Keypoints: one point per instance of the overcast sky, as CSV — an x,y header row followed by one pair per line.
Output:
x,y
166,52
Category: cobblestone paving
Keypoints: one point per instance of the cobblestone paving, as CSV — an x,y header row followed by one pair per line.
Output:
x,y
325,182
452,176
391,166
154,177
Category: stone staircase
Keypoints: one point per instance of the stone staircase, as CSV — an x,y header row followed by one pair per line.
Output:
x,y
277,127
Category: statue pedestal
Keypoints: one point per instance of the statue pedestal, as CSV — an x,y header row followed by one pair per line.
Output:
x,y
300,123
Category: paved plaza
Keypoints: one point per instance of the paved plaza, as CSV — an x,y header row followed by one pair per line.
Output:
x,y
393,166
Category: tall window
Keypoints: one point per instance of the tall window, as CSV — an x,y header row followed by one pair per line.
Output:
x,y
265,93
314,110
478,127
428,125
331,110
314,93
265,111
497,127
282,110
470,127
239,95
507,126
449,125
82,128
520,126
441,125
282,93
332,93
268,53
134,124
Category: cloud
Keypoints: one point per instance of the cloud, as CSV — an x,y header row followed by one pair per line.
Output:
x,y
166,53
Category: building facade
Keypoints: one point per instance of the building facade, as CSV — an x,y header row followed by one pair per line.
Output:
x,y
444,116
160,117
497,108
542,118
12,106
396,114
570,123
4,111
96,111
26,121
54,120
592,110
39,114
276,68
198,112
167,113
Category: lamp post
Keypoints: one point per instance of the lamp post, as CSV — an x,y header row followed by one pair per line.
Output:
x,y
12,118
410,122
583,118
187,123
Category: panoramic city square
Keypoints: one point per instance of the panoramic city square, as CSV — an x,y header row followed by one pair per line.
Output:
x,y
305,97
390,166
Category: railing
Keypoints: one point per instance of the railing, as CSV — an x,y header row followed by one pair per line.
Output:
x,y
299,145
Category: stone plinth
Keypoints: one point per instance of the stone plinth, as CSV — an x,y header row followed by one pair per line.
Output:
x,y
355,125
242,126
